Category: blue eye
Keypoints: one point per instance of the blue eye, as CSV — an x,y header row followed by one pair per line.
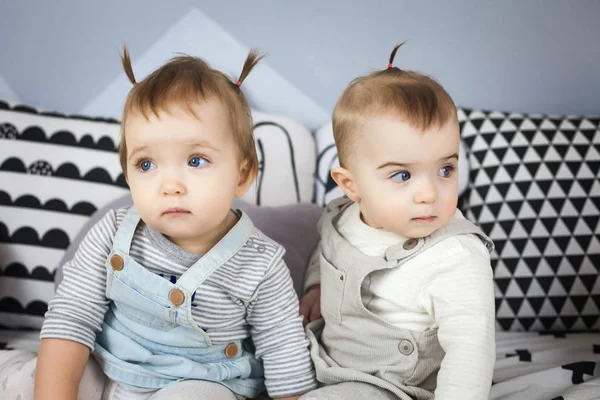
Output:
x,y
147,166
401,176
446,171
198,162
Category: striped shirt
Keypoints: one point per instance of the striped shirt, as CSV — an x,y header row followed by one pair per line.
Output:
x,y
245,297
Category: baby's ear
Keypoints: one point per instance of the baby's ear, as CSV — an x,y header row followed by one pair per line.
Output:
x,y
345,181
247,175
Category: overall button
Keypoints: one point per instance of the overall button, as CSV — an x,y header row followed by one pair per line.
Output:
x,y
410,244
117,263
231,350
177,297
406,347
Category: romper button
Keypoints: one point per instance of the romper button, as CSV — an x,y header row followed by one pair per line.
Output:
x,y
410,244
177,297
406,347
231,350
117,263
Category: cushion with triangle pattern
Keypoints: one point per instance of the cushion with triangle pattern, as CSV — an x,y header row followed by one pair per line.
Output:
x,y
534,188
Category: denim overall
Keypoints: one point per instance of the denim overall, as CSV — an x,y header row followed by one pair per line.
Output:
x,y
351,343
149,338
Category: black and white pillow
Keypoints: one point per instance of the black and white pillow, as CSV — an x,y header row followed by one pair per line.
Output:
x,y
55,171
534,188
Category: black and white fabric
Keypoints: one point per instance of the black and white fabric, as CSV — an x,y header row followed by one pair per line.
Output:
x,y
534,188
546,367
56,171
327,158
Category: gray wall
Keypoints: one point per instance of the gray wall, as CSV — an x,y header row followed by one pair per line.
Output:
x,y
530,56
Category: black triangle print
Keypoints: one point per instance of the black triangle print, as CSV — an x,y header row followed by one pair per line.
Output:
x,y
517,121
579,302
590,320
536,303
495,208
519,244
508,135
566,281
594,121
515,206
583,241
576,261
582,149
524,187
570,222
596,201
487,227
541,150
544,185
557,204
477,211
595,258
562,242
578,202
526,323
536,205
497,302
556,121
594,166
491,171
588,281
499,244
488,137
515,303
532,167
596,298
535,121
502,284
507,226
541,243
477,123
545,282
469,140
500,152
586,184
511,264
548,321
524,283
565,184
553,166
549,223
494,262
554,262
562,149
574,167
589,134
521,150
474,174
497,122
532,262
549,133
502,188
480,155
511,169
557,302
528,224
568,322
483,190
505,323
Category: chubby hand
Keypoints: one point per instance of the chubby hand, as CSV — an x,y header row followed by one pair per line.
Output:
x,y
310,305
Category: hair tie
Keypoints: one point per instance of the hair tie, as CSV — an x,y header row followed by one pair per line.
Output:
x,y
390,65
239,83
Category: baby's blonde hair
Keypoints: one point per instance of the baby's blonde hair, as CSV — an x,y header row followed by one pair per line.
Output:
x,y
187,81
415,98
